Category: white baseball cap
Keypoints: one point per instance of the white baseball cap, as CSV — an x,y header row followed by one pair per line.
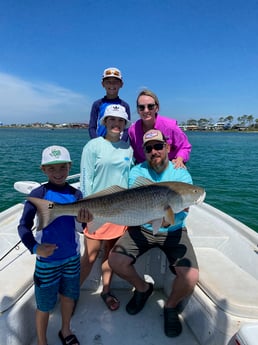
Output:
x,y
116,110
55,155
112,72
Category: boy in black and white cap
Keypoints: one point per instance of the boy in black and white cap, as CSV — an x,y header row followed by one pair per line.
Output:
x,y
57,246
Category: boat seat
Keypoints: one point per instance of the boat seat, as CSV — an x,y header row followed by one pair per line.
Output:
x,y
18,268
16,264
229,288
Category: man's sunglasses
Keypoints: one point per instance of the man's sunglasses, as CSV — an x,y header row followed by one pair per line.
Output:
x,y
142,107
157,147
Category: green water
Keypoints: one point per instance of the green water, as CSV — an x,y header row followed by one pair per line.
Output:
x,y
225,164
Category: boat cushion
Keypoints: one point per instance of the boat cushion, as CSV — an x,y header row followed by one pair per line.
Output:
x,y
16,276
230,287
16,264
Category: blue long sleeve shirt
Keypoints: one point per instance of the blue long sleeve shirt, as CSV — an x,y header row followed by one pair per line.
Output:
x,y
61,231
96,129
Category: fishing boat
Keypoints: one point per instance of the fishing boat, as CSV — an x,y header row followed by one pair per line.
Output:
x,y
223,309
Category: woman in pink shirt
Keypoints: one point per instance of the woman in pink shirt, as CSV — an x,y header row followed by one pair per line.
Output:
x,y
148,106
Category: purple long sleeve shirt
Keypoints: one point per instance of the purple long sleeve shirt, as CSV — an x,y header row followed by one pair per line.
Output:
x,y
176,138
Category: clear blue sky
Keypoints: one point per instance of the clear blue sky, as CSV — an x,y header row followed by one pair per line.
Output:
x,y
199,56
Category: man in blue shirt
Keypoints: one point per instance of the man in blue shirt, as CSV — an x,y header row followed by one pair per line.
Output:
x,y
171,239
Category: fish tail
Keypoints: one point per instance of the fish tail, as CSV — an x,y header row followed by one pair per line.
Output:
x,y
45,211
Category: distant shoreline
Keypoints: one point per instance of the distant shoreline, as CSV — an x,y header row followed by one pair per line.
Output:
x,y
86,127
41,128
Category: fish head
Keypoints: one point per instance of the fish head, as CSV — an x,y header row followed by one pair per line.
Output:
x,y
201,197
183,195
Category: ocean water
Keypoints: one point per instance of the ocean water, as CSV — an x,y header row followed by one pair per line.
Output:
x,y
224,163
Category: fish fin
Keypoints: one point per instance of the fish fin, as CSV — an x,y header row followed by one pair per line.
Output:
x,y
45,211
169,218
110,190
170,184
156,224
141,181
169,215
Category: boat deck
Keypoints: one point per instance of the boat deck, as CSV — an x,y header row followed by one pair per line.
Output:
x,y
217,309
94,324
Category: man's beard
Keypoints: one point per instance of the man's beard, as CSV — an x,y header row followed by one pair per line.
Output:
x,y
158,166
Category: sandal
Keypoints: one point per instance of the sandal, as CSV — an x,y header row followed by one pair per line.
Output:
x,y
110,300
137,302
172,324
69,340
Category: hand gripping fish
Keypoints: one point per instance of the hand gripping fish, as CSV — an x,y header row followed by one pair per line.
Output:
x,y
148,203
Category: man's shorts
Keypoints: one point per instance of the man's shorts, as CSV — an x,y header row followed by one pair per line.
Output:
x,y
52,278
175,244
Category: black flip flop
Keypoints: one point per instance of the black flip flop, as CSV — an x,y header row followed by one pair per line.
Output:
x,y
69,340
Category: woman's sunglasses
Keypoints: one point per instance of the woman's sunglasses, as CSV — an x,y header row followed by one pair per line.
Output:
x,y
142,107
157,147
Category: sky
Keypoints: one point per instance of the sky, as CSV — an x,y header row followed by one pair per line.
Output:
x,y
199,56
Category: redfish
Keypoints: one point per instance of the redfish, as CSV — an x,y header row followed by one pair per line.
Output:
x,y
148,203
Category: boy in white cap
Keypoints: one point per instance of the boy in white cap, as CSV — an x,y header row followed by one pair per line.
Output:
x,y
105,161
57,247
112,82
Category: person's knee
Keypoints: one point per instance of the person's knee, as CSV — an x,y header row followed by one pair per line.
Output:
x,y
118,261
188,274
89,259
193,277
196,274
113,259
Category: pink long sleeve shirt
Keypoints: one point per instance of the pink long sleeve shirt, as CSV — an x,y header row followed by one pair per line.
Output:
x,y
176,138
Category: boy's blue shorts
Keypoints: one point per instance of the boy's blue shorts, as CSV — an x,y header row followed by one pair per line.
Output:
x,y
52,278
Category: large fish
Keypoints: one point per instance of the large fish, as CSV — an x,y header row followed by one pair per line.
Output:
x,y
148,203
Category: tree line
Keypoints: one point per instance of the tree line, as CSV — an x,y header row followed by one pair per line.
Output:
x,y
246,121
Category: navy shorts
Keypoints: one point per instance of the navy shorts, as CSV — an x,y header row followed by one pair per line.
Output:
x,y
52,278
175,244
